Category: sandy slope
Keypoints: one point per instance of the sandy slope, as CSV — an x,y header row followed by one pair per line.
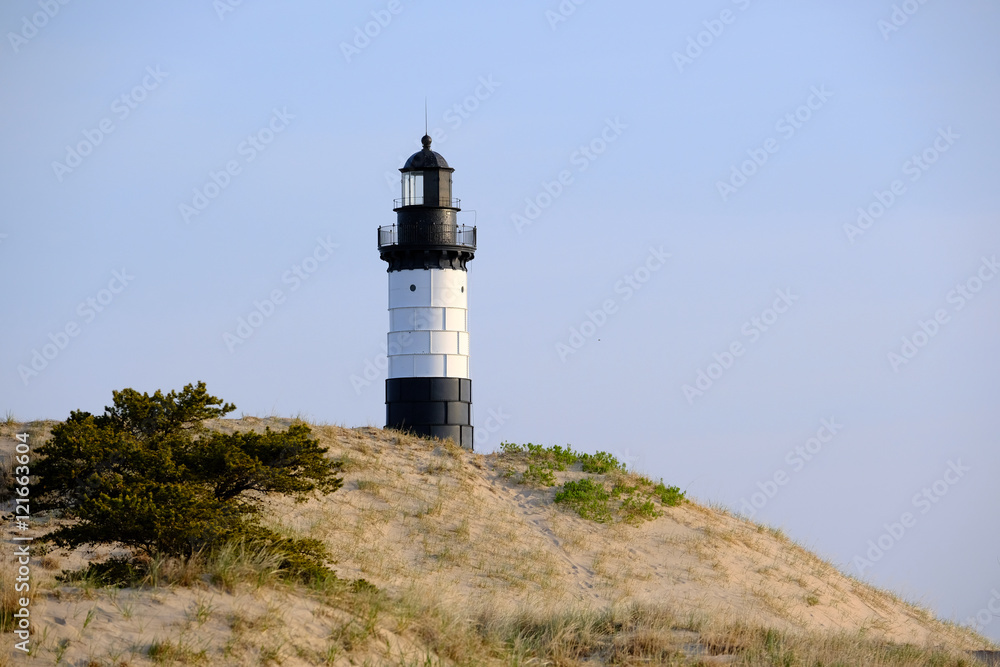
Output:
x,y
428,521
452,519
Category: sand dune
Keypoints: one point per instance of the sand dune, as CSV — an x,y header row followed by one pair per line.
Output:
x,y
450,533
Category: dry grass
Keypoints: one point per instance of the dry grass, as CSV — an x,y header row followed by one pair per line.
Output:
x,y
10,597
472,567
763,646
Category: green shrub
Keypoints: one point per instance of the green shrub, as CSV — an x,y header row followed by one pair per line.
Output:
x,y
540,474
636,510
671,496
588,498
147,475
563,456
119,571
620,489
636,502
299,559
534,450
631,502
542,461
601,463
558,456
511,447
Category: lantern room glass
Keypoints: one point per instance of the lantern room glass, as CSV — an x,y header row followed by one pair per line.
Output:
x,y
413,188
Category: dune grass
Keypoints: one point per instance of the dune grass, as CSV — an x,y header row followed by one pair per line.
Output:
x,y
416,516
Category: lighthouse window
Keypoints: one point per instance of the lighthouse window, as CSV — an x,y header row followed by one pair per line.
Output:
x,y
413,288
413,188
463,289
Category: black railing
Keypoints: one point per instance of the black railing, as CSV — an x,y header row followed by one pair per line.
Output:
x,y
458,235
423,201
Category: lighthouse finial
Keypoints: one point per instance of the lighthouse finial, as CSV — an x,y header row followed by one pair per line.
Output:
x,y
426,139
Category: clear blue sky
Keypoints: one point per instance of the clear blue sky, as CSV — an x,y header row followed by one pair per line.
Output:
x,y
114,114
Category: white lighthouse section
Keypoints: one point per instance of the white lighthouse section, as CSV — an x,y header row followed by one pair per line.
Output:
x,y
428,327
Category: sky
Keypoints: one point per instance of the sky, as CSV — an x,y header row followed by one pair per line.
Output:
x,y
750,248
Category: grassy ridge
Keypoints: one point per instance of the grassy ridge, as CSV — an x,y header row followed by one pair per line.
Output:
x,y
412,514
608,493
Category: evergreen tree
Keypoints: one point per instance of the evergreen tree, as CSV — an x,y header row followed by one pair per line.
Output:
x,y
148,475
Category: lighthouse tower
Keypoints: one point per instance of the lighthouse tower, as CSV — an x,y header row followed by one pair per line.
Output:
x,y
429,390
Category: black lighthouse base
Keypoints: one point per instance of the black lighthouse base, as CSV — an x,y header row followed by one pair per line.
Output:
x,y
436,407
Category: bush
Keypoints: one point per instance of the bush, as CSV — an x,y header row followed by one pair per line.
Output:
x,y
511,447
637,510
559,457
671,496
541,475
563,456
588,498
630,502
147,475
601,463
118,571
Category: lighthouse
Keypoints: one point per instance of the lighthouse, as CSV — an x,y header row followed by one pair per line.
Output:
x,y
429,388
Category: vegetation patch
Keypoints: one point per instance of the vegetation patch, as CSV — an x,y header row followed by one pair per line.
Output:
x,y
558,457
589,498
632,498
645,635
539,474
148,476
601,463
151,446
671,496
768,646
167,652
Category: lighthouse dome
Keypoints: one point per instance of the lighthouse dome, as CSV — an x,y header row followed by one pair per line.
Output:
x,y
426,158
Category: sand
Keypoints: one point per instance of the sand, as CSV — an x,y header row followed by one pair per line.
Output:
x,y
430,522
